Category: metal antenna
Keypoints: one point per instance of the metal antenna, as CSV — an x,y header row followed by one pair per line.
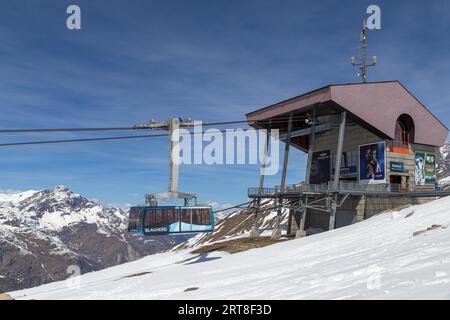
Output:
x,y
363,65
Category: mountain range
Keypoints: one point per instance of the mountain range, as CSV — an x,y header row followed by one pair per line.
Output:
x,y
48,235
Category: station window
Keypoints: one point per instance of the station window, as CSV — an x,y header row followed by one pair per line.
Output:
x,y
404,130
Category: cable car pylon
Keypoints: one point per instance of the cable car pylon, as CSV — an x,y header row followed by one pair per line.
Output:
x,y
172,126
153,219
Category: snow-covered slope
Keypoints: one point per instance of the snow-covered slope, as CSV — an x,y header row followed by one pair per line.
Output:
x,y
404,254
239,224
42,233
15,197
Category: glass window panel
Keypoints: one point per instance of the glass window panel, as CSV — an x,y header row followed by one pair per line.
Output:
x,y
172,216
206,216
196,216
134,218
186,215
149,218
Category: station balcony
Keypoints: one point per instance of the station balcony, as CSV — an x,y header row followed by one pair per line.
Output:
x,y
348,187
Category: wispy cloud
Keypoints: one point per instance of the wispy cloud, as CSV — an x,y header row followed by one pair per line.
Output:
x,y
211,61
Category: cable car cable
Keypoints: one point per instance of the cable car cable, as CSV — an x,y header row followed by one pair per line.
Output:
x,y
80,140
238,205
9,144
51,130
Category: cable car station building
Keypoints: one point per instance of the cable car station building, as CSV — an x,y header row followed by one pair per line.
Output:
x,y
381,139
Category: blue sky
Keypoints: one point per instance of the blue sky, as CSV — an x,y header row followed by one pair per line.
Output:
x,y
210,60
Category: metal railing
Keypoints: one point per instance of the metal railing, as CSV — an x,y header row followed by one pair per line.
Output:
x,y
343,186
346,186
261,192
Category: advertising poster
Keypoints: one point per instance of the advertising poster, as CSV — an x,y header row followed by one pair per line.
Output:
x,y
430,169
349,162
420,168
372,163
320,167
425,168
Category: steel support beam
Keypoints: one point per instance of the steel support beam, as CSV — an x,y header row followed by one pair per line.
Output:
x,y
340,142
307,131
277,231
171,126
174,154
286,155
337,170
332,221
254,232
303,214
312,143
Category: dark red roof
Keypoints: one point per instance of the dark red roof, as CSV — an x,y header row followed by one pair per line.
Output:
x,y
379,104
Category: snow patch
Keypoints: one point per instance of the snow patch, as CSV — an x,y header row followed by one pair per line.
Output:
x,y
15,198
378,258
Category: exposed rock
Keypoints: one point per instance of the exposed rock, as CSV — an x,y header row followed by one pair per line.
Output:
x,y
44,233
240,223
433,227
236,245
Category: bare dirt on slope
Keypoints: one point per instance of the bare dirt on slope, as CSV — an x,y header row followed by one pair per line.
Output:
x,y
4,296
237,245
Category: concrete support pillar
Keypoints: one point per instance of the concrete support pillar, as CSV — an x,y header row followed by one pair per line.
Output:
x,y
332,223
294,217
303,213
361,209
254,233
301,232
292,223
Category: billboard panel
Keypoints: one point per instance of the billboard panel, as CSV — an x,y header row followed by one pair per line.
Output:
x,y
349,162
372,163
425,168
420,168
320,167
430,168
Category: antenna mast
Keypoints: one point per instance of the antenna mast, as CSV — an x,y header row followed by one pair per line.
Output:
x,y
363,65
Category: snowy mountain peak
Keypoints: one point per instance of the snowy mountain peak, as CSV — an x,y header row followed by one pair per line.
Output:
x,y
41,231
15,196
58,208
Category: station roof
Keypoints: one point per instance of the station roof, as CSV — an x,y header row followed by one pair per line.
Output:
x,y
375,105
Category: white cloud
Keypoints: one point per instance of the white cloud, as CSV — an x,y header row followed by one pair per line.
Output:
x,y
10,191
122,206
218,206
